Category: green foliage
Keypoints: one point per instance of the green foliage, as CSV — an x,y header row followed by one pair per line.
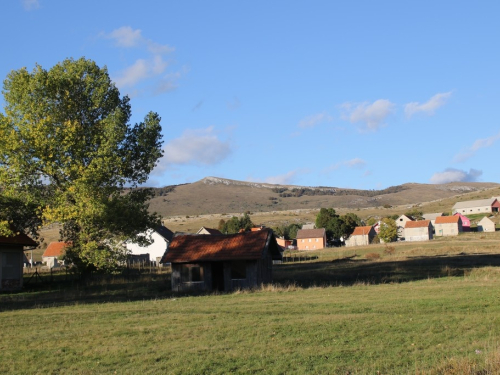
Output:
x,y
288,232
388,230
415,213
67,148
371,221
336,226
234,225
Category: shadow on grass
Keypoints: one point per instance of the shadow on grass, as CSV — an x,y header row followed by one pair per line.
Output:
x,y
351,271
346,271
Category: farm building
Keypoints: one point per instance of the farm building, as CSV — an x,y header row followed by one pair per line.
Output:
x,y
432,217
53,254
486,225
284,244
448,226
161,237
311,239
400,223
361,236
11,260
420,230
465,222
209,231
477,207
224,263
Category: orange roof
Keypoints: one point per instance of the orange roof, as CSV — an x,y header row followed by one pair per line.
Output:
x,y
55,249
360,231
311,233
447,219
240,246
417,224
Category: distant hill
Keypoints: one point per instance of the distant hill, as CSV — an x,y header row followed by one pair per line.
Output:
x,y
213,195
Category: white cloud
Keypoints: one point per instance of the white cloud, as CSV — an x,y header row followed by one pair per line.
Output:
x,y
429,107
476,146
353,163
455,175
197,147
151,67
283,179
31,4
372,115
313,120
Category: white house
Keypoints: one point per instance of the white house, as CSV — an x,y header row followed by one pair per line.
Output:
x,y
400,223
161,238
486,225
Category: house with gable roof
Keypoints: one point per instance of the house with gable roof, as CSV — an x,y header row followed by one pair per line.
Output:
x,y
53,254
11,260
161,237
311,239
486,225
223,263
209,231
361,236
420,230
448,226
465,222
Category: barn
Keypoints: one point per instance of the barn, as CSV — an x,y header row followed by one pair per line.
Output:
x,y
222,263
11,260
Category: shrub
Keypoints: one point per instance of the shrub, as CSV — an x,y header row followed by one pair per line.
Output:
x,y
372,256
375,239
389,250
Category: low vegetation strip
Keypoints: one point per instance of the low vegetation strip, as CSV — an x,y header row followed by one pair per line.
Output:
x,y
415,327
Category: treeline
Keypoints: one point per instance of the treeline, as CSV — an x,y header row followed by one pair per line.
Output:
x,y
299,192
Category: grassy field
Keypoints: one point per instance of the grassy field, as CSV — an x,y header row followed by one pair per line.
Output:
x,y
429,308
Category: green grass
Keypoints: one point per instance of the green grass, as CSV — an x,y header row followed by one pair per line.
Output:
x,y
429,308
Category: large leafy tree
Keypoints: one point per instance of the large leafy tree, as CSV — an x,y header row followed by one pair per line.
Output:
x,y
67,154
388,230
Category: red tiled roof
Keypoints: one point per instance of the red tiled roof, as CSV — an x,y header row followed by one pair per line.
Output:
x,y
311,233
18,239
55,249
447,219
360,231
240,246
417,224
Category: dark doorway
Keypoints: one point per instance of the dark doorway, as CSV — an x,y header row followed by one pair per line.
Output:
x,y
218,276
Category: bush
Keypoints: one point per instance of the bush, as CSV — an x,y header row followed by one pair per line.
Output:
x,y
389,250
372,256
375,239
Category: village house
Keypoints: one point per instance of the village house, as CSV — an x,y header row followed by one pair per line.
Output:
x,y
448,226
420,230
53,254
400,223
284,244
361,236
161,237
465,222
486,225
209,231
477,206
223,263
11,260
311,239
432,217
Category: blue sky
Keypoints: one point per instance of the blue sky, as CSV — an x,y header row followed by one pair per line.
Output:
x,y
358,94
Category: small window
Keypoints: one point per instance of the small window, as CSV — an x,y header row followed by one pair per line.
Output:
x,y
317,239
238,270
191,273
309,240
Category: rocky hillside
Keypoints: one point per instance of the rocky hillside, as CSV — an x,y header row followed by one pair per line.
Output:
x,y
213,195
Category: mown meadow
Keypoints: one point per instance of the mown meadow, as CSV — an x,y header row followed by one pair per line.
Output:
x,y
429,308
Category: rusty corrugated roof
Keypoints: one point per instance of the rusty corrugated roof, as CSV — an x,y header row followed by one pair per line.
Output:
x,y
240,246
